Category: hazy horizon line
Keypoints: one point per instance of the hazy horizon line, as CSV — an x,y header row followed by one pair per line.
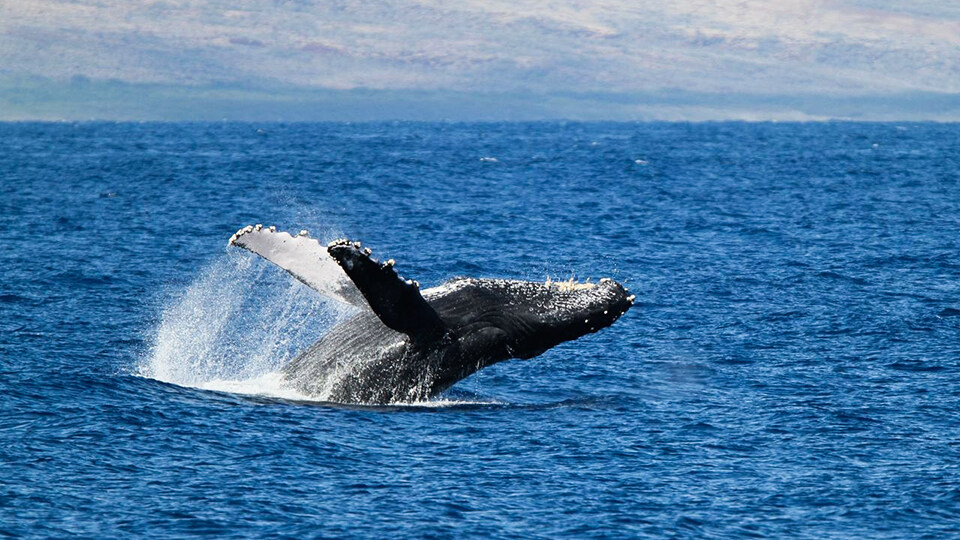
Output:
x,y
38,99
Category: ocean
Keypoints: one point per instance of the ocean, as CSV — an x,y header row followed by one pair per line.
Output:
x,y
791,367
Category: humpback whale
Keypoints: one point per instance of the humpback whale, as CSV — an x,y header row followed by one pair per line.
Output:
x,y
405,344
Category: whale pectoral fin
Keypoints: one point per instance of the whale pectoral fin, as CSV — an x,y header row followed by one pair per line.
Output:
x,y
303,257
397,302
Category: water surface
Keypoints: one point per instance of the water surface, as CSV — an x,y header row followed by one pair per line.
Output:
x,y
790,368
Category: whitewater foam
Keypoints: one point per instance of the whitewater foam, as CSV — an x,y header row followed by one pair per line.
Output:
x,y
270,385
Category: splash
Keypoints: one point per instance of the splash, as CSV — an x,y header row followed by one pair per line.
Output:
x,y
235,326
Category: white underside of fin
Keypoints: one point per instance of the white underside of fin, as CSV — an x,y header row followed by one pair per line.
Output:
x,y
304,258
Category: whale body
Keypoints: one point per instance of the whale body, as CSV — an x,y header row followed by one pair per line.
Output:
x,y
406,344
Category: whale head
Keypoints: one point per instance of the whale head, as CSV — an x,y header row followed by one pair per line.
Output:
x,y
522,319
547,314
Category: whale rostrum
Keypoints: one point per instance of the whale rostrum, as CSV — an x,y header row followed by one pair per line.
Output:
x,y
408,344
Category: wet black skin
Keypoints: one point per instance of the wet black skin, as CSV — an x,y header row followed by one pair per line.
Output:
x,y
411,347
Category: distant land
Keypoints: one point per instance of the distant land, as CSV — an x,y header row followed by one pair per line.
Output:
x,y
80,98
494,60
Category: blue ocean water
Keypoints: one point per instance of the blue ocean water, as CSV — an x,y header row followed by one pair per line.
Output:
x,y
791,368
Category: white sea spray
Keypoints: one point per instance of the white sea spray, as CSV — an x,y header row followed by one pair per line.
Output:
x,y
235,326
